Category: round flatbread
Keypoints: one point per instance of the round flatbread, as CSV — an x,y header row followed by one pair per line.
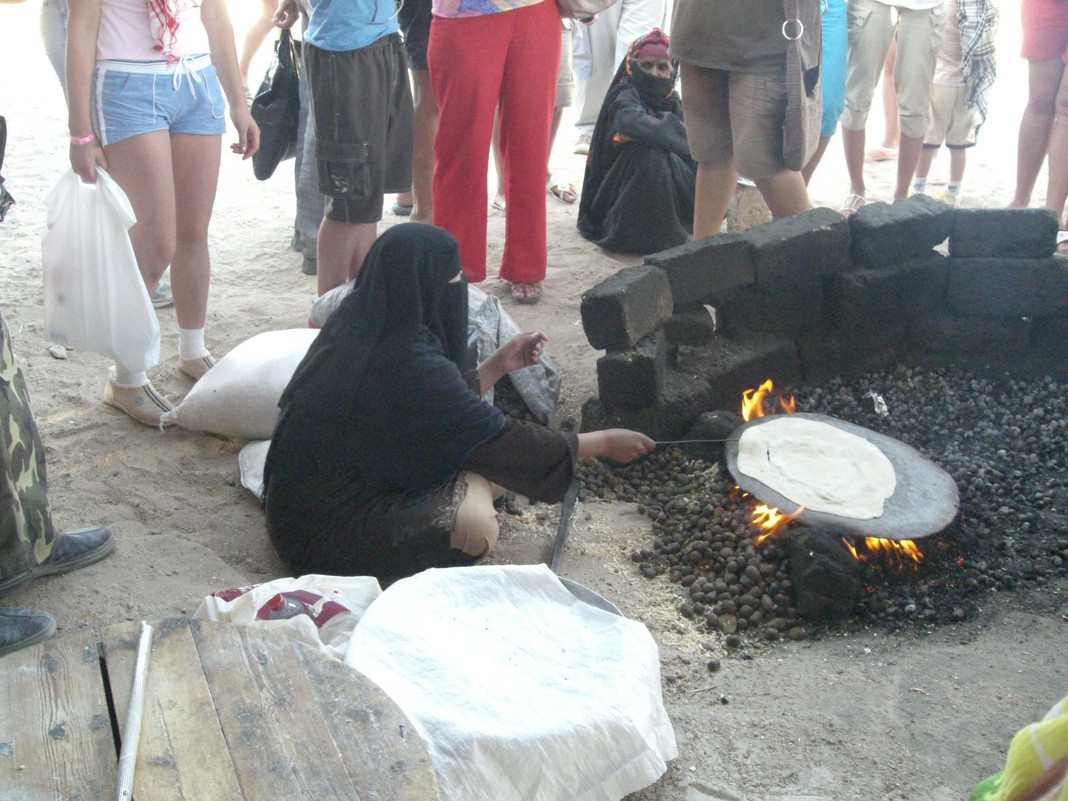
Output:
x,y
818,466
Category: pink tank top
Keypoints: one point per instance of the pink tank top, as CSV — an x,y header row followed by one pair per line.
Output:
x,y
125,33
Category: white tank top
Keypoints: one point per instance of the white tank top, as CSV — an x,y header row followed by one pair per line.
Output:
x,y
125,33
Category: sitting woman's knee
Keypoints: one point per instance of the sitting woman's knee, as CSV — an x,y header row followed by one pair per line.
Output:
x,y
475,528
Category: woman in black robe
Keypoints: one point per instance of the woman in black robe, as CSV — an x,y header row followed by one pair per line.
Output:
x,y
638,192
386,460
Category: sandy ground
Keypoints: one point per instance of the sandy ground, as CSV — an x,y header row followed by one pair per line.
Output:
x,y
868,715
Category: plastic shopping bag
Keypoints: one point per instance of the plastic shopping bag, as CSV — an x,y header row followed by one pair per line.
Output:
x,y
94,296
318,610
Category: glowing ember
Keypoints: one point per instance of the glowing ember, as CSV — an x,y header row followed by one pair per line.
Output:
x,y
753,401
899,554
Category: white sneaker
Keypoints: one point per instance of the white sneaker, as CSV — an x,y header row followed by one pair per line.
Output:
x,y
582,144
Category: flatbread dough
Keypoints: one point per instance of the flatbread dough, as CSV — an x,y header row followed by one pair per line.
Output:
x,y
818,466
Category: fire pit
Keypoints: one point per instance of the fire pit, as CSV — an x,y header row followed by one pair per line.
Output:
x,y
1003,444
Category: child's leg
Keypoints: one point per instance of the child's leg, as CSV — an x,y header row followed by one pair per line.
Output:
x,y
958,159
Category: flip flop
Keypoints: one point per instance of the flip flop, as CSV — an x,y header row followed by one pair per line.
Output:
x,y
561,190
526,293
402,210
498,203
881,154
851,204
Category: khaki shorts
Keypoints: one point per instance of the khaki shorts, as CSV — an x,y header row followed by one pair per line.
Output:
x,y
737,114
565,80
871,29
361,102
951,122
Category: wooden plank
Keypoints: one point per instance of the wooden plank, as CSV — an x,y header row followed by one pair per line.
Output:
x,y
277,736
55,731
386,757
182,754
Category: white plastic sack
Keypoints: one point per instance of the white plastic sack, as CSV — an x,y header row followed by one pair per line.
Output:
x,y
323,609
538,385
250,461
238,397
94,296
521,691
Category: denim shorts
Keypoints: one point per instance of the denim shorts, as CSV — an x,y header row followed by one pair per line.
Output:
x,y
139,97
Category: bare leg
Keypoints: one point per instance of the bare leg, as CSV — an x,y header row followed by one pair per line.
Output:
x,y
927,157
785,193
853,147
908,154
196,177
1043,81
716,181
425,127
1057,187
341,251
814,162
958,160
554,127
141,165
498,160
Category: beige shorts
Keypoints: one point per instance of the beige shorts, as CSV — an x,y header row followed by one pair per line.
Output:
x,y
737,114
565,79
952,123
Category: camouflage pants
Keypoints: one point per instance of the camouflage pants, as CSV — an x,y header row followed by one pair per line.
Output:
x,y
26,533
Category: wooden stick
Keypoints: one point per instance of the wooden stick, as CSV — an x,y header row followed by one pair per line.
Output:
x,y
131,733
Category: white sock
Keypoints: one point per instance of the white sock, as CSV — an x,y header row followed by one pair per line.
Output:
x,y
953,188
191,343
127,378
919,186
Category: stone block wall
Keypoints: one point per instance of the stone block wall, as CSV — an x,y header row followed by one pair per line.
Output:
x,y
818,295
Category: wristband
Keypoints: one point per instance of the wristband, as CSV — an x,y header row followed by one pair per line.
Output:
x,y
82,140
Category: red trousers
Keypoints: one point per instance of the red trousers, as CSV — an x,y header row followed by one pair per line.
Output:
x,y
510,59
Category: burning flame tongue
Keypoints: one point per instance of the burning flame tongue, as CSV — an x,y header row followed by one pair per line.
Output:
x,y
753,401
899,554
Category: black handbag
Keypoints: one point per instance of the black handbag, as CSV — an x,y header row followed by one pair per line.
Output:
x,y
276,108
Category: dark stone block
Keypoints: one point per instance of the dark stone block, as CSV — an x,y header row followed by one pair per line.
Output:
x,y
864,299
633,378
1008,287
943,338
827,581
692,327
794,250
683,399
625,307
699,269
884,234
1005,233
706,439
828,353
787,310
732,364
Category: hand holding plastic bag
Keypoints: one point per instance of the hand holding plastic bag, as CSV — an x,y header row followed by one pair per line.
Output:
x,y
94,296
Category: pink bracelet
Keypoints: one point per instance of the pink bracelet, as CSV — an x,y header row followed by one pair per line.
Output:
x,y
82,140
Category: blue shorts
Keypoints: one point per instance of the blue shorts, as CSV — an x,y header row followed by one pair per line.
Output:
x,y
139,97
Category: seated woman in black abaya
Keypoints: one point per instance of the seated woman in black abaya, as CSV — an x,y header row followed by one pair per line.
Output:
x,y
638,193
385,460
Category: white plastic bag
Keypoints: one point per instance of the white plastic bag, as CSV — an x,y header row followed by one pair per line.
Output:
x,y
318,610
238,397
94,296
521,691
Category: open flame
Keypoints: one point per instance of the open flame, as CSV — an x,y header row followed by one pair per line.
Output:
x,y
899,554
753,401
771,521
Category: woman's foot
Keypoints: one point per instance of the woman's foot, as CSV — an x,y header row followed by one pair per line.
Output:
x,y
881,153
561,190
526,293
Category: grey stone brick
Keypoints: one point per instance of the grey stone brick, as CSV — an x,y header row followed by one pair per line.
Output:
x,y
780,310
625,307
866,298
633,378
1006,233
699,269
884,234
796,249
999,287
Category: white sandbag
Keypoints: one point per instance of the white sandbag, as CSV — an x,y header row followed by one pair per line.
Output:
x,y
319,610
521,691
251,460
238,397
